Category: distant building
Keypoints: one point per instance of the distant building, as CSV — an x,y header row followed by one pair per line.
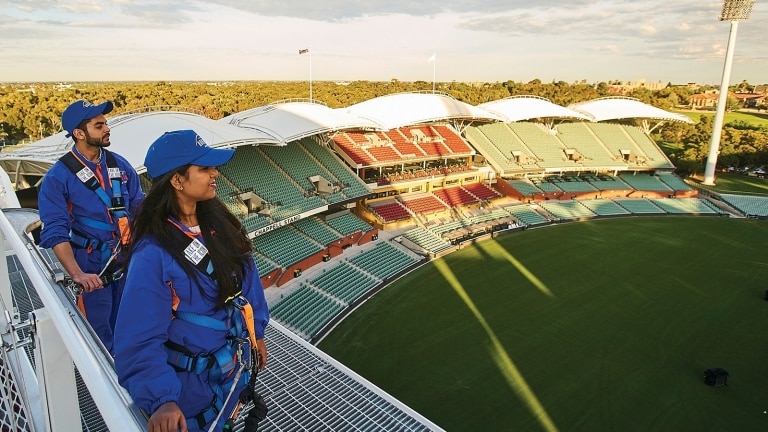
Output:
x,y
625,87
708,99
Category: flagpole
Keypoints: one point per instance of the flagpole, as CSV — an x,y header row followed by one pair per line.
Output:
x,y
310,73
433,59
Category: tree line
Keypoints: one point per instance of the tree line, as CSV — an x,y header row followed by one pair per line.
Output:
x,y
31,111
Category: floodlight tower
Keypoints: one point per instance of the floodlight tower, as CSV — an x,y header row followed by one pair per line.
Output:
x,y
733,11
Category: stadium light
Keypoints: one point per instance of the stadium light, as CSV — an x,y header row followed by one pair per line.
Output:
x,y
733,11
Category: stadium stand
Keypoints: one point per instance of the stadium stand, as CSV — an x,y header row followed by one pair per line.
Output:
x,y
481,191
455,196
685,205
391,211
644,182
655,157
638,205
589,150
424,204
344,282
383,261
749,206
568,209
427,240
318,230
606,182
348,224
604,207
286,245
549,150
526,215
525,187
673,181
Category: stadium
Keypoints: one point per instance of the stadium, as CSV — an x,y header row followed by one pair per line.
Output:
x,y
342,203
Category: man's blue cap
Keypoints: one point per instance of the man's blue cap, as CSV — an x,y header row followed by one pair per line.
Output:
x,y
82,110
178,148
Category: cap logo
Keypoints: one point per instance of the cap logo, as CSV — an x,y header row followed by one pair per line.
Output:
x,y
200,142
87,104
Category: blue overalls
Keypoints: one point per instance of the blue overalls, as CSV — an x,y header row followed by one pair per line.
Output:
x,y
71,212
174,344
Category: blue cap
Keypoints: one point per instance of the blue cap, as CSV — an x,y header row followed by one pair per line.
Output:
x,y
82,110
178,148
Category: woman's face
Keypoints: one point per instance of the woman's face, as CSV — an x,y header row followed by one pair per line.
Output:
x,y
199,184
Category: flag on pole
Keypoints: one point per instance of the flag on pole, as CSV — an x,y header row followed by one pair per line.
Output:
x,y
434,56
304,51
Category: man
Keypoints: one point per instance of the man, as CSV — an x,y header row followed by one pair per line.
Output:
x,y
84,201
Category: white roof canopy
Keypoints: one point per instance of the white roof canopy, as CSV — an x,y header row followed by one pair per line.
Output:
x,y
404,109
292,120
519,108
131,136
617,108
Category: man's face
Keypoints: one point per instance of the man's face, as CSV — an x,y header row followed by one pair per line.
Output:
x,y
97,132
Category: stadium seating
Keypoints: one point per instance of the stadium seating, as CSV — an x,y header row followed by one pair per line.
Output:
x,y
644,182
452,140
604,207
391,211
492,153
481,191
427,240
747,205
286,245
526,215
525,187
547,147
455,196
673,181
348,224
638,205
684,205
344,282
568,209
383,261
424,204
655,157
318,230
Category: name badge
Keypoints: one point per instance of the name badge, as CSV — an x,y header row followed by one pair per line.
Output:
x,y
114,172
195,252
85,174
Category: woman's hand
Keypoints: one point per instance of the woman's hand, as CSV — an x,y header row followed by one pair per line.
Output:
x,y
167,418
261,353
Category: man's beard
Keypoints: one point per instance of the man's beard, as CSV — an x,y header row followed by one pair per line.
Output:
x,y
95,142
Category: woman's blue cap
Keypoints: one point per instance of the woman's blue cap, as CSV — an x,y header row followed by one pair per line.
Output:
x,y
183,147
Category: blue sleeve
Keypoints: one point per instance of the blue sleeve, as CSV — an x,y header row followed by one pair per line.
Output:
x,y
142,328
257,300
53,210
135,195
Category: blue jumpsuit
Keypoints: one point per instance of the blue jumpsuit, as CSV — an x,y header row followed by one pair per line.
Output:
x,y
65,203
155,286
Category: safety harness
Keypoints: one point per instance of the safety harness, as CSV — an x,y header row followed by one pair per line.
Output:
x,y
230,359
115,205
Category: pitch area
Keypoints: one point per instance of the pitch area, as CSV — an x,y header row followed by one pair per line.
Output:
x,y
599,325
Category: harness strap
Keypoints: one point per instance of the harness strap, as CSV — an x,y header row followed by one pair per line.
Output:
x,y
194,249
207,415
116,203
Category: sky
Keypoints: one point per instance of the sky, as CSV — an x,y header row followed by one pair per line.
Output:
x,y
676,41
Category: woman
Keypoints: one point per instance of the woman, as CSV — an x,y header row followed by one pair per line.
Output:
x,y
184,337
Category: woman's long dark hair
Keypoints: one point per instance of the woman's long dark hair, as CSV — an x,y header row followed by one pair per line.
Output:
x,y
225,237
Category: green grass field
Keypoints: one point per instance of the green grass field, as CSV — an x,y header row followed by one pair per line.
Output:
x,y
737,183
593,326
753,118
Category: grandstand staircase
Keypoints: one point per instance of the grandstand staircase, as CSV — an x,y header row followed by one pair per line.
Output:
x,y
331,176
